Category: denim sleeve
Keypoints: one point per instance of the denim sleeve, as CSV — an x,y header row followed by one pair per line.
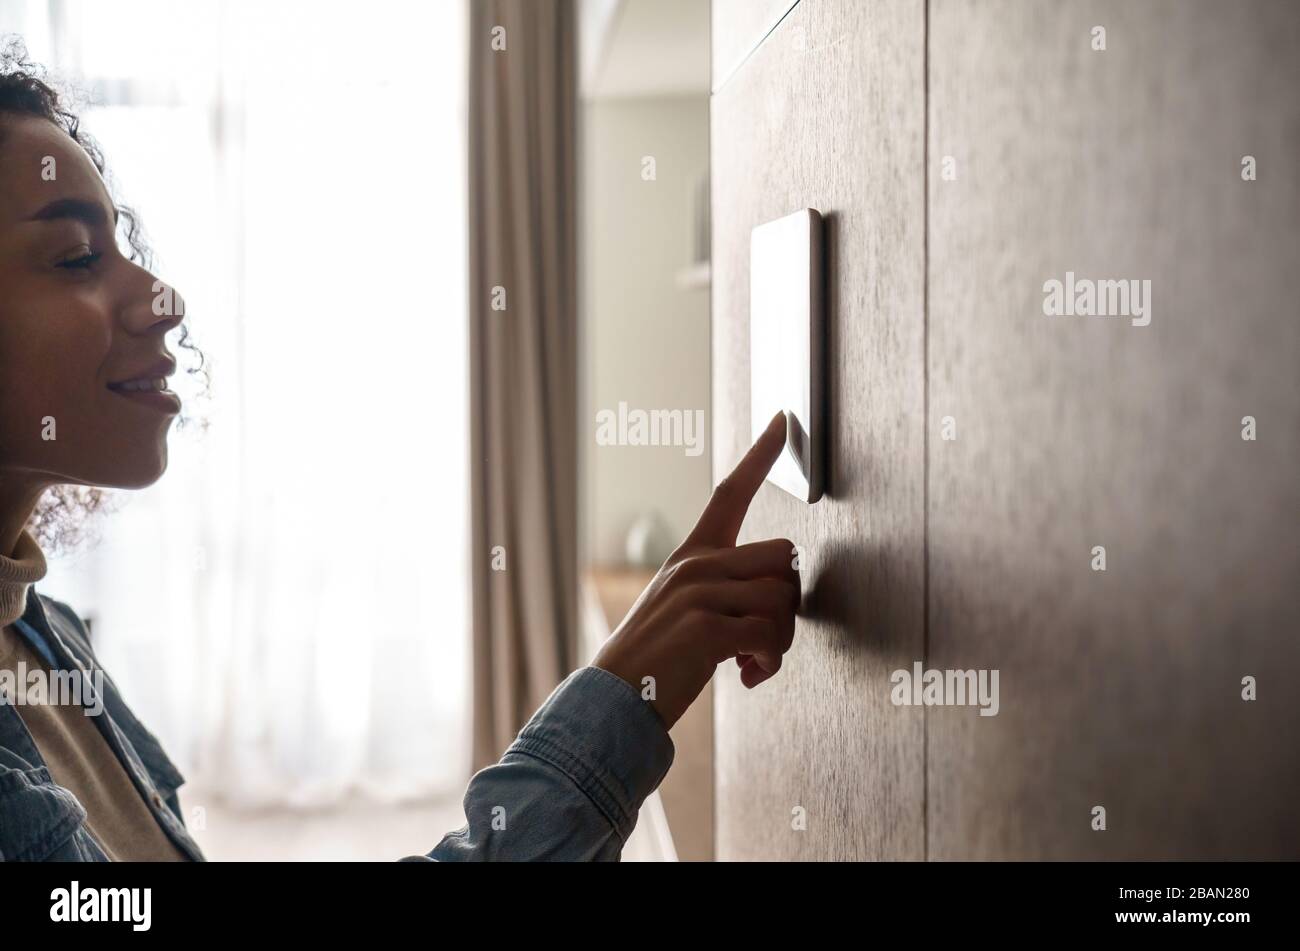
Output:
x,y
570,786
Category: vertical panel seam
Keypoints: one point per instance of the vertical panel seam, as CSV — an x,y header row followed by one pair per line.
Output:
x,y
925,422
713,462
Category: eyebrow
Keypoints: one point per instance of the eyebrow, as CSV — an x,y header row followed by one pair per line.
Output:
x,y
76,209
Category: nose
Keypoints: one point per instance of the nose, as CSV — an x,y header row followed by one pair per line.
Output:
x,y
151,306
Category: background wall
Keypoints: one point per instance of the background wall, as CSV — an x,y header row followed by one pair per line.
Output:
x,y
646,335
1118,688
645,338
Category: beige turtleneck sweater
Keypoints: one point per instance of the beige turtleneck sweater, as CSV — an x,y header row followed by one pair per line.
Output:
x,y
75,752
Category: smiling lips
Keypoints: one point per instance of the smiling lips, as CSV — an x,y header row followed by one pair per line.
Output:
x,y
149,386
158,384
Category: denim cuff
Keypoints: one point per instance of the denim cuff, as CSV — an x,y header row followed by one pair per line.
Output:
x,y
596,729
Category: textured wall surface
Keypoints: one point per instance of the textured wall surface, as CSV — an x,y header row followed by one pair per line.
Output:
x,y
1118,688
806,122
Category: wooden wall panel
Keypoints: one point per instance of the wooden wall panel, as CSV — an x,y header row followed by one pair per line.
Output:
x,y
828,113
1121,688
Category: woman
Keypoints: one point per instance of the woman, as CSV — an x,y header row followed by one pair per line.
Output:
x,y
84,403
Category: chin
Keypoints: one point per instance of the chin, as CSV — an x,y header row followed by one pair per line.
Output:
x,y
143,470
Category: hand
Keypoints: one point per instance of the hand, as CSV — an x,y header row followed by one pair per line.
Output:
x,y
712,600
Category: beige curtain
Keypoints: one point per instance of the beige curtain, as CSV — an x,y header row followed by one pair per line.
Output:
x,y
523,378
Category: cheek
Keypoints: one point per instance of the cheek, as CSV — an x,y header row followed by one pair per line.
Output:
x,y
50,368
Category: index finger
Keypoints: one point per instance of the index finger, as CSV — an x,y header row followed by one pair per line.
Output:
x,y
719,523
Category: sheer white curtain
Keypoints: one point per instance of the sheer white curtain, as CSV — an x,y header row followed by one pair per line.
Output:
x,y
288,608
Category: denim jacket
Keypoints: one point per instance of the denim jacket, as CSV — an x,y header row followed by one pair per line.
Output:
x,y
42,821
568,788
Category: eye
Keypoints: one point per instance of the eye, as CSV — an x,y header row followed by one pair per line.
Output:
x,y
81,263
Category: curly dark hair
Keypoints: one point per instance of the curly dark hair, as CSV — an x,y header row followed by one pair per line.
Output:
x,y
60,518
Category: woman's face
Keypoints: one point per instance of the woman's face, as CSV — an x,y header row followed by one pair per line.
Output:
x,y
77,318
